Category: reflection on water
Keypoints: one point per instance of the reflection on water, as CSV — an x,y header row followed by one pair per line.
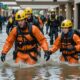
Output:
x,y
50,71
6,74
70,72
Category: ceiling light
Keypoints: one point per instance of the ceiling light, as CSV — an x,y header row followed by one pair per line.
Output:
x,y
14,7
9,3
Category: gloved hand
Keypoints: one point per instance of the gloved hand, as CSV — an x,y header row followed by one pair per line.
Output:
x,y
7,31
14,55
47,55
3,55
71,48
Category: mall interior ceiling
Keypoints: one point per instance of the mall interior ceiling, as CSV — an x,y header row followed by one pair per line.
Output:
x,y
34,3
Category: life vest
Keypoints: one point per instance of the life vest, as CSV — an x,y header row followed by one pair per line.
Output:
x,y
19,44
67,42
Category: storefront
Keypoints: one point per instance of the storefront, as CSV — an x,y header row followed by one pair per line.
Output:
x,y
77,13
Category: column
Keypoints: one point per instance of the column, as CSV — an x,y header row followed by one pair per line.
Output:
x,y
68,10
75,16
62,10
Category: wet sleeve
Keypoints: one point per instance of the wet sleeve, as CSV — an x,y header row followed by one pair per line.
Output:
x,y
40,38
56,45
9,41
41,23
76,39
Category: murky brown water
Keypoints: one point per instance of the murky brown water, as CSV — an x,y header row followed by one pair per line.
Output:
x,y
48,71
53,70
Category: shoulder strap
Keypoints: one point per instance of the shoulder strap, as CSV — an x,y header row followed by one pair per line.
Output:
x,y
30,31
36,22
77,32
17,32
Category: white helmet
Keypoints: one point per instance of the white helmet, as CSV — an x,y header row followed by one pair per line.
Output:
x,y
41,12
52,10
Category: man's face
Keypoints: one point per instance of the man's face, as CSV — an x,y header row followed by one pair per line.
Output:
x,y
21,23
65,30
52,15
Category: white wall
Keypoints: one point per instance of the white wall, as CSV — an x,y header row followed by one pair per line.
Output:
x,y
77,1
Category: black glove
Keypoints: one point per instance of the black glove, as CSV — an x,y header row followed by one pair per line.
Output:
x,y
47,55
14,55
71,48
3,57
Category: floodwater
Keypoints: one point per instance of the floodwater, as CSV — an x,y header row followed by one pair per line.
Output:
x,y
51,70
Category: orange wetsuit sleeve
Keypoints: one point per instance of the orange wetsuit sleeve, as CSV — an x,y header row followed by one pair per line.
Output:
x,y
56,45
76,39
9,41
40,38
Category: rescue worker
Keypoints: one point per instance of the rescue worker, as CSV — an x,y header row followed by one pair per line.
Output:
x,y
47,26
26,47
30,18
53,23
11,22
68,43
43,18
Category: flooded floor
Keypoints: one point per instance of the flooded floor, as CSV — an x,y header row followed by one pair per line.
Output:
x,y
49,71
52,70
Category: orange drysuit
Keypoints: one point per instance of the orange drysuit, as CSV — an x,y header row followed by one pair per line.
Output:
x,y
71,56
21,52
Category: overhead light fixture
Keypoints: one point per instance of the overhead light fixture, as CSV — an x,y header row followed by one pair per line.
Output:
x,y
9,3
13,7
62,0
73,8
43,0
23,0
39,6
36,0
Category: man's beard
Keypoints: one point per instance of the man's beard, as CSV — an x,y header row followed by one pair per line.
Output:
x,y
23,27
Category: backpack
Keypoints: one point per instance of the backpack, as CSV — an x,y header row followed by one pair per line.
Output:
x,y
36,22
77,32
